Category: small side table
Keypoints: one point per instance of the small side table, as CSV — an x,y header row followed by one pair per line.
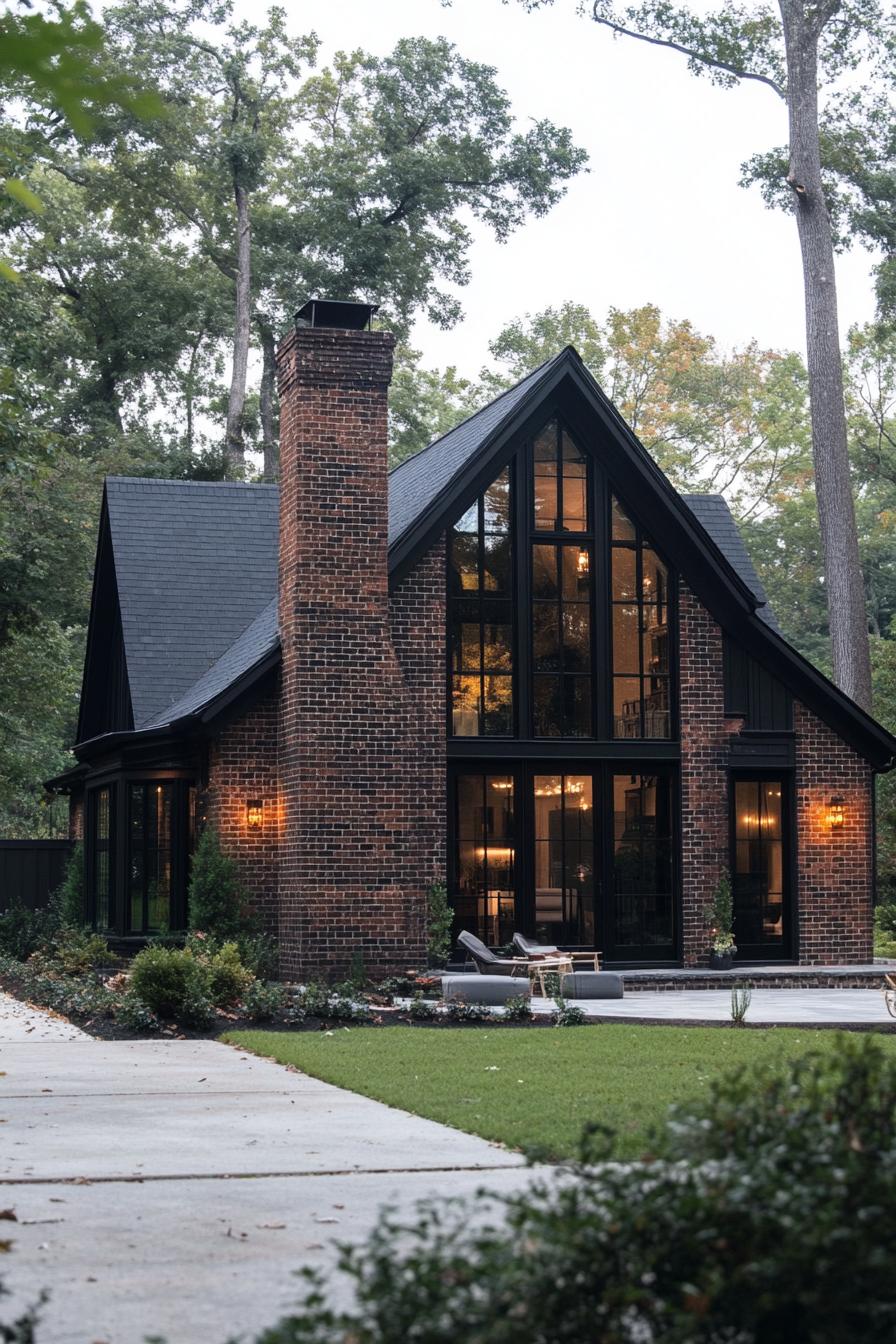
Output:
x,y
547,966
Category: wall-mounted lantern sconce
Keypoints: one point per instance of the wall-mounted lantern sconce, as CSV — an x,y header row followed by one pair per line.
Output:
x,y
836,813
254,814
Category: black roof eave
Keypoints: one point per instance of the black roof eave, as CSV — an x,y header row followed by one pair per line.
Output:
x,y
62,783
473,476
198,718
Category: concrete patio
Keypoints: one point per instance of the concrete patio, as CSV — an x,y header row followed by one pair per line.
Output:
x,y
794,1007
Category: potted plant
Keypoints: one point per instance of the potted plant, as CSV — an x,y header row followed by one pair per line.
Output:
x,y
720,918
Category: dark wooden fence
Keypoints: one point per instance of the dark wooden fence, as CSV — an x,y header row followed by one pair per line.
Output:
x,y
30,870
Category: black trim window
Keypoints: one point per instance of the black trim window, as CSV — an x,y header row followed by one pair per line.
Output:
x,y
561,593
480,616
561,639
759,865
642,873
640,601
560,482
563,839
150,844
102,857
484,895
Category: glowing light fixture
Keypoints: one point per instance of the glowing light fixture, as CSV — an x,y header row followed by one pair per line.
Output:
x,y
254,814
836,813
582,561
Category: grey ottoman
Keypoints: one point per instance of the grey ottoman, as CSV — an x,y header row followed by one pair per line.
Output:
x,y
490,989
591,985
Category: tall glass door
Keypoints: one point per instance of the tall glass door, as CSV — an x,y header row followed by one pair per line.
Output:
x,y
563,859
571,857
759,870
641,887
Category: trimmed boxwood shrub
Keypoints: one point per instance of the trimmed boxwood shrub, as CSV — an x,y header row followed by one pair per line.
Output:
x,y
765,1213
172,983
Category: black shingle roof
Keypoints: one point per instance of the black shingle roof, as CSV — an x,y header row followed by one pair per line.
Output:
x,y
416,482
195,561
196,566
714,515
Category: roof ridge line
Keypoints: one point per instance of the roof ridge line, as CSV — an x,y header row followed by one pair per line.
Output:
x,y
176,480
473,414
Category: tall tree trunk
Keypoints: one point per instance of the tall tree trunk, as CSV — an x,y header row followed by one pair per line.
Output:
x,y
833,487
234,446
266,401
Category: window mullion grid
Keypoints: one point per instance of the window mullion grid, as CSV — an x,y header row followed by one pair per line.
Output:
x,y
558,521
639,599
564,855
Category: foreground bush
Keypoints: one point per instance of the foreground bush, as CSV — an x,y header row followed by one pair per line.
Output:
x,y
171,982
766,1213
24,932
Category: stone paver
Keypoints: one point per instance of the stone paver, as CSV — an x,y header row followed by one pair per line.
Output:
x,y
174,1187
834,1007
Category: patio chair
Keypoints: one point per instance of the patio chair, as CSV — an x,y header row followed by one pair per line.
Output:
x,y
488,962
537,951
890,994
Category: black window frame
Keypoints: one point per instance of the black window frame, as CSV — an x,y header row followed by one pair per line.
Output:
x,y
786,950
481,599
517,458
182,842
641,542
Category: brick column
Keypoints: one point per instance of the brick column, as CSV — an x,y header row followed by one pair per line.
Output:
x,y
352,873
835,877
705,734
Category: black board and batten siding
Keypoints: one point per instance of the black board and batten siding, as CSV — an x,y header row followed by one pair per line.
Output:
x,y
31,870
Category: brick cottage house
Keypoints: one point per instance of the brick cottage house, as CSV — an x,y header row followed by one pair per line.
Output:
x,y
520,662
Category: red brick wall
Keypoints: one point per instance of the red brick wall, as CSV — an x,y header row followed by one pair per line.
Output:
x,y
355,859
835,866
834,869
243,765
417,622
704,773
76,816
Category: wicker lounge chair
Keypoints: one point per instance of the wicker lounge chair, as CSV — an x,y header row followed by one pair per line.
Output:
x,y
890,994
488,962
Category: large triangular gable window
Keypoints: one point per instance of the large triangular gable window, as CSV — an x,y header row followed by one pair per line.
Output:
x,y
558,605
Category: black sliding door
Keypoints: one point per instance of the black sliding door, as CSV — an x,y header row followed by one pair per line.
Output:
x,y
570,856
641,901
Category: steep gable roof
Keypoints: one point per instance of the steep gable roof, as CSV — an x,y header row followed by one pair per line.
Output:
x,y
416,482
714,515
195,562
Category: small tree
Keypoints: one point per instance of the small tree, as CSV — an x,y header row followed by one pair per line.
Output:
x,y
439,919
218,901
69,900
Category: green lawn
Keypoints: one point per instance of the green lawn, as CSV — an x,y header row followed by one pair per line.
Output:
x,y
534,1087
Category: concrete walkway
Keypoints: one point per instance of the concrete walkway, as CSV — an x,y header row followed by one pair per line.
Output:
x,y
826,1007
173,1187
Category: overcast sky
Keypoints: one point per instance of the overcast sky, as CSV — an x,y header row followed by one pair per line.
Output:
x,y
659,218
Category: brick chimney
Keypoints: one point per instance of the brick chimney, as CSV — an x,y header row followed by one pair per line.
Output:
x,y
351,876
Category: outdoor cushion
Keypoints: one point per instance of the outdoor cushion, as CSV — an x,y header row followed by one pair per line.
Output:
x,y
491,989
591,985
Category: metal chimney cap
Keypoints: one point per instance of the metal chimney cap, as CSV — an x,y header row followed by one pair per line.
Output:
x,y
345,315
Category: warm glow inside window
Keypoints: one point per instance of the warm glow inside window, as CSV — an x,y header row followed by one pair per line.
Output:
x,y
640,633
484,890
480,601
562,587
